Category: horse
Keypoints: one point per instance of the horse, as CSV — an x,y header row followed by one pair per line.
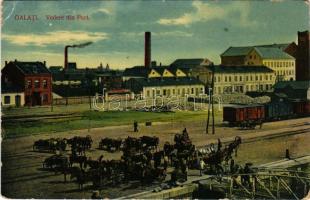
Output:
x,y
77,159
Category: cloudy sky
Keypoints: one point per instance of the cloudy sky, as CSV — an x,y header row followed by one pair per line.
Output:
x,y
180,29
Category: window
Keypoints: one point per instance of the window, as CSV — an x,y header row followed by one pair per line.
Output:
x,y
173,91
270,77
157,92
44,83
250,56
45,98
7,99
266,77
251,78
219,79
192,90
236,78
179,92
254,56
164,92
247,78
28,85
240,78
36,83
229,78
256,78
148,93
197,91
260,77
225,78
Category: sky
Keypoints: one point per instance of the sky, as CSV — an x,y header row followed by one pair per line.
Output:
x,y
180,29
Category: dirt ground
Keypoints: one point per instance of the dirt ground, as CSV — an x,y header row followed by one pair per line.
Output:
x,y
22,176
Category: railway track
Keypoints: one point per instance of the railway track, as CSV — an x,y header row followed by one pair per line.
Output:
x,y
40,118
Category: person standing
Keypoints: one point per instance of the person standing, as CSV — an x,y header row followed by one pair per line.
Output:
x,y
202,166
135,126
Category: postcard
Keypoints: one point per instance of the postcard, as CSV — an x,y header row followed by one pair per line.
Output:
x,y
165,99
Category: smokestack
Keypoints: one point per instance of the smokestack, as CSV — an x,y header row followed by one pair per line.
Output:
x,y
147,49
73,46
66,58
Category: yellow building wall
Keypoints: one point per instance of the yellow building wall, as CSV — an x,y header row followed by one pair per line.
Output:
x,y
12,99
253,58
177,90
283,68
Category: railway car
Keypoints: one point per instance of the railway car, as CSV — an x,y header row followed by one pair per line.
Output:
x,y
278,111
244,116
301,108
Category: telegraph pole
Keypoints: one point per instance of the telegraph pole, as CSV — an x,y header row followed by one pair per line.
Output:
x,y
211,102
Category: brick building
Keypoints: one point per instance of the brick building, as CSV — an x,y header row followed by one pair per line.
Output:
x,y
32,77
303,57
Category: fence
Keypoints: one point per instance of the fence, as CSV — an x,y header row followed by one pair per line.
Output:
x,y
72,100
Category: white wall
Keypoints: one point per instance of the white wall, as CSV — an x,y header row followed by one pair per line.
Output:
x,y
12,99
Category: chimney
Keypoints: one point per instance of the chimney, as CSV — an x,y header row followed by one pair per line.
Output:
x,y
44,62
66,58
147,49
6,62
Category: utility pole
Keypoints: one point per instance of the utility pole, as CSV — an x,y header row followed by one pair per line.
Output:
x,y
211,102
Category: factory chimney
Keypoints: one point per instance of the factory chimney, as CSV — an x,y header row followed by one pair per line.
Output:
x,y
73,46
147,49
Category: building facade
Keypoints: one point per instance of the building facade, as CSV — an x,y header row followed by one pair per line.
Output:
x,y
12,96
166,87
153,72
236,79
272,56
33,77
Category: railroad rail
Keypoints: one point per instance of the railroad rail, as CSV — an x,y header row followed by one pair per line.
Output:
x,y
266,182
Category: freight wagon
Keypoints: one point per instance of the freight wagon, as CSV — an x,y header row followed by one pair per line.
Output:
x,y
249,116
244,116
278,111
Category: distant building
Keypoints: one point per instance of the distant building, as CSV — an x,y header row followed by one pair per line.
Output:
x,y
294,91
190,62
271,56
236,79
303,57
32,77
85,81
152,72
165,87
12,96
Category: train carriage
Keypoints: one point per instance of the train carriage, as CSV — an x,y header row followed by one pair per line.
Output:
x,y
244,116
278,111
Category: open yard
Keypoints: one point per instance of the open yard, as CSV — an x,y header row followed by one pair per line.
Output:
x,y
23,177
40,120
